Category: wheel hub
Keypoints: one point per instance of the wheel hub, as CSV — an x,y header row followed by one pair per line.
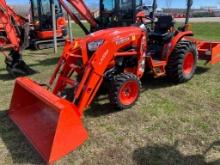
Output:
x,y
188,63
128,93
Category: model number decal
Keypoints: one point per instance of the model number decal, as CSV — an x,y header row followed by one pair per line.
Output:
x,y
103,57
122,40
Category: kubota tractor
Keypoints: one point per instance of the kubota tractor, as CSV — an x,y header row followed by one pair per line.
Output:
x,y
51,116
114,55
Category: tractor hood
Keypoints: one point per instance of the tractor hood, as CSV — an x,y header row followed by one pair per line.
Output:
x,y
114,33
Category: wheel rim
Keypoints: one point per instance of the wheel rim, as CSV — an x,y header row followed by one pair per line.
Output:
x,y
129,93
188,63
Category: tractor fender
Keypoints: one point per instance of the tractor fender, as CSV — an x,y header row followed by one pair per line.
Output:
x,y
174,42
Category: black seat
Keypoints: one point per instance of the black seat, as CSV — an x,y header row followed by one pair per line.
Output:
x,y
161,31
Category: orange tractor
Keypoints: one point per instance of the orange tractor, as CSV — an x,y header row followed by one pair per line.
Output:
x,y
51,116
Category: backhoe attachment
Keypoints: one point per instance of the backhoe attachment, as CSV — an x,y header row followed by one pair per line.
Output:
x,y
16,66
14,38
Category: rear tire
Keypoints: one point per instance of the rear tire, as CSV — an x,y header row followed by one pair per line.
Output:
x,y
124,91
182,62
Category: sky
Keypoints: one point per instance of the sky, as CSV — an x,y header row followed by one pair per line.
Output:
x,y
161,3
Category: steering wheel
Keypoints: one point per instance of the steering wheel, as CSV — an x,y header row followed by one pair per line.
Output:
x,y
145,21
142,16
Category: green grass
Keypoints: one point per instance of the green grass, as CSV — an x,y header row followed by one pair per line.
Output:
x,y
77,31
171,124
207,31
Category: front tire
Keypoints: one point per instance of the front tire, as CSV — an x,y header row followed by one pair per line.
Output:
x,y
182,63
125,90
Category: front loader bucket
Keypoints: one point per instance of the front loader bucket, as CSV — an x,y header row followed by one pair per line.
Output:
x,y
52,125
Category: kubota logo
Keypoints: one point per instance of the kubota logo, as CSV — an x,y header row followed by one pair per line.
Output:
x,y
103,57
122,40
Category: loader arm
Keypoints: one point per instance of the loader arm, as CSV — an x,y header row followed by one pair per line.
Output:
x,y
92,75
93,68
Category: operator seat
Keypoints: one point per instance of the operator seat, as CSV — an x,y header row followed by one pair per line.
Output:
x,y
161,31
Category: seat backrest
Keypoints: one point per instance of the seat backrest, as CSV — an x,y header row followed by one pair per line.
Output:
x,y
164,23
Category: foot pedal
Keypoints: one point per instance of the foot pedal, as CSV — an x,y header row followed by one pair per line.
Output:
x,y
159,67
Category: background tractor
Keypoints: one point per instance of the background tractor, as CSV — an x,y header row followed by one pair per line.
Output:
x,y
118,12
41,26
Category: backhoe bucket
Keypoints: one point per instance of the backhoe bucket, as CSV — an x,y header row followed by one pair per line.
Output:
x,y
53,125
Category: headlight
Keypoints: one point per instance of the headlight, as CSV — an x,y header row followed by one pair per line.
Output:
x,y
93,46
